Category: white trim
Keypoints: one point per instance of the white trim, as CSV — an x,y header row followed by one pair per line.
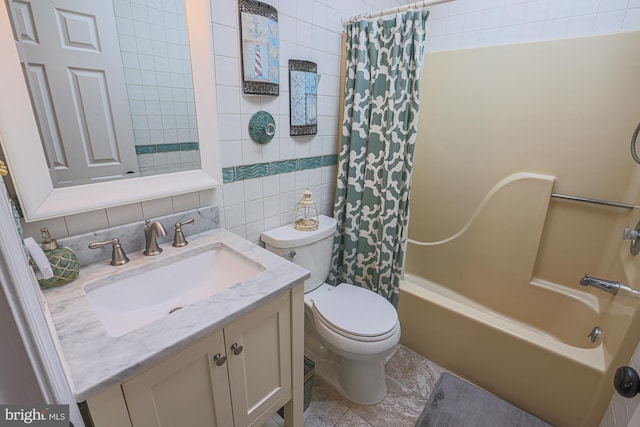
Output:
x,y
18,283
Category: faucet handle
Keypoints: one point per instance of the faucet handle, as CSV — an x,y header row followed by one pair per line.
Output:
x,y
629,234
179,239
118,257
633,235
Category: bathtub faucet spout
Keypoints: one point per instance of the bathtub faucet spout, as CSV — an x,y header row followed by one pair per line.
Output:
x,y
605,285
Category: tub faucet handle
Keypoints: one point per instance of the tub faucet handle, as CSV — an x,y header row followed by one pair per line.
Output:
x,y
629,234
633,235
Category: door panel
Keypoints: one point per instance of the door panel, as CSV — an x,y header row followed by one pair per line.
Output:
x,y
186,388
261,373
71,52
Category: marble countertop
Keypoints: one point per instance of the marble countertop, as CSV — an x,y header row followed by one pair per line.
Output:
x,y
97,360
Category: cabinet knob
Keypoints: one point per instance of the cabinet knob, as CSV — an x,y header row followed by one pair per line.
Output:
x,y
237,349
219,359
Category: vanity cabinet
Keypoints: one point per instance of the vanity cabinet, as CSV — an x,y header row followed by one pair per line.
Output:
x,y
186,386
237,376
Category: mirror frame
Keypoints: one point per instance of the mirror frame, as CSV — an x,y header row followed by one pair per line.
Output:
x,y
21,144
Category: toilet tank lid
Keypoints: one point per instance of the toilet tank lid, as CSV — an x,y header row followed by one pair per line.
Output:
x,y
288,237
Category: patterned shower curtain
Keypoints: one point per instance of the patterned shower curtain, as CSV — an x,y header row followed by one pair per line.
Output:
x,y
384,64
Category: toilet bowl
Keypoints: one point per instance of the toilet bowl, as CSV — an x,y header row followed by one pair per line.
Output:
x,y
349,330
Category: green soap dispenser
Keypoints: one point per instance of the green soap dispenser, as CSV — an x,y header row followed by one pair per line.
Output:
x,y
63,260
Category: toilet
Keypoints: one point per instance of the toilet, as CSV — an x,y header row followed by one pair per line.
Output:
x,y
349,330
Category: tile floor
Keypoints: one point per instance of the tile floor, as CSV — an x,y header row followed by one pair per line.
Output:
x,y
410,380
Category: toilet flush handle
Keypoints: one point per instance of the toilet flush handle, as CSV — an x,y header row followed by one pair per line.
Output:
x,y
290,256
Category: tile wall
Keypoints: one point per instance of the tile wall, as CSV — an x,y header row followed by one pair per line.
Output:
x,y
157,70
264,182
475,23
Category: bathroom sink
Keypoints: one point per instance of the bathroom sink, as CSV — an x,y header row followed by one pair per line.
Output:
x,y
125,302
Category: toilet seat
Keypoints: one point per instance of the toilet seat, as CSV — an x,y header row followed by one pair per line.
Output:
x,y
356,313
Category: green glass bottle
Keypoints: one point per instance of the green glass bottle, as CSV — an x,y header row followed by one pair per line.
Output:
x,y
63,260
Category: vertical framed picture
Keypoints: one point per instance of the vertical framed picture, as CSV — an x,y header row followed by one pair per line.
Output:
x,y
260,48
303,105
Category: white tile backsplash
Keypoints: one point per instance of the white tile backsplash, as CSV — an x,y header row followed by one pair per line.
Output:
x,y
555,29
631,20
254,211
155,208
559,9
185,201
225,12
226,41
227,71
253,189
235,216
580,26
585,7
536,11
233,193
526,21
87,221
119,215
609,22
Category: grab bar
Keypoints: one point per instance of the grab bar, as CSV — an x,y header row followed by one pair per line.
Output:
x,y
594,201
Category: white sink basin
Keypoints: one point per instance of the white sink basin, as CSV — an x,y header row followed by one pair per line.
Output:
x,y
126,302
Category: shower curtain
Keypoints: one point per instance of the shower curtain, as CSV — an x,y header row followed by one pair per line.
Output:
x,y
384,64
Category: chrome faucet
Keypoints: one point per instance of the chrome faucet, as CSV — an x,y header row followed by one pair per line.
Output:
x,y
151,232
607,285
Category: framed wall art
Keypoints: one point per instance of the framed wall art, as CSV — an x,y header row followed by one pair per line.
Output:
x,y
303,105
260,48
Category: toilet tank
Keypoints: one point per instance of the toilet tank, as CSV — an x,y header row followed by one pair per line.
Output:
x,y
312,248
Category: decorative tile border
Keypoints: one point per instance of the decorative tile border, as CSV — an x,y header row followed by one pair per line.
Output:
x,y
252,171
257,170
283,166
166,148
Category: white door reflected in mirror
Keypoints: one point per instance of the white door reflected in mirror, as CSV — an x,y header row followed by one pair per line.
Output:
x,y
41,198
111,87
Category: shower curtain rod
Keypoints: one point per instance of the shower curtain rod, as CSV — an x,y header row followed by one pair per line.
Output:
x,y
416,5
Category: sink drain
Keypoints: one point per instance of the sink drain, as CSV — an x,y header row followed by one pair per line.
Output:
x,y
173,310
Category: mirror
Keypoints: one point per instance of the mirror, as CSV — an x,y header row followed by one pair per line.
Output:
x,y
111,87
20,136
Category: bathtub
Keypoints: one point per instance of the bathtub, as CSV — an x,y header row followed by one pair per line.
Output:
x,y
472,304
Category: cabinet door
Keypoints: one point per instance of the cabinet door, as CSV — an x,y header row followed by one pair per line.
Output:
x,y
187,389
260,361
